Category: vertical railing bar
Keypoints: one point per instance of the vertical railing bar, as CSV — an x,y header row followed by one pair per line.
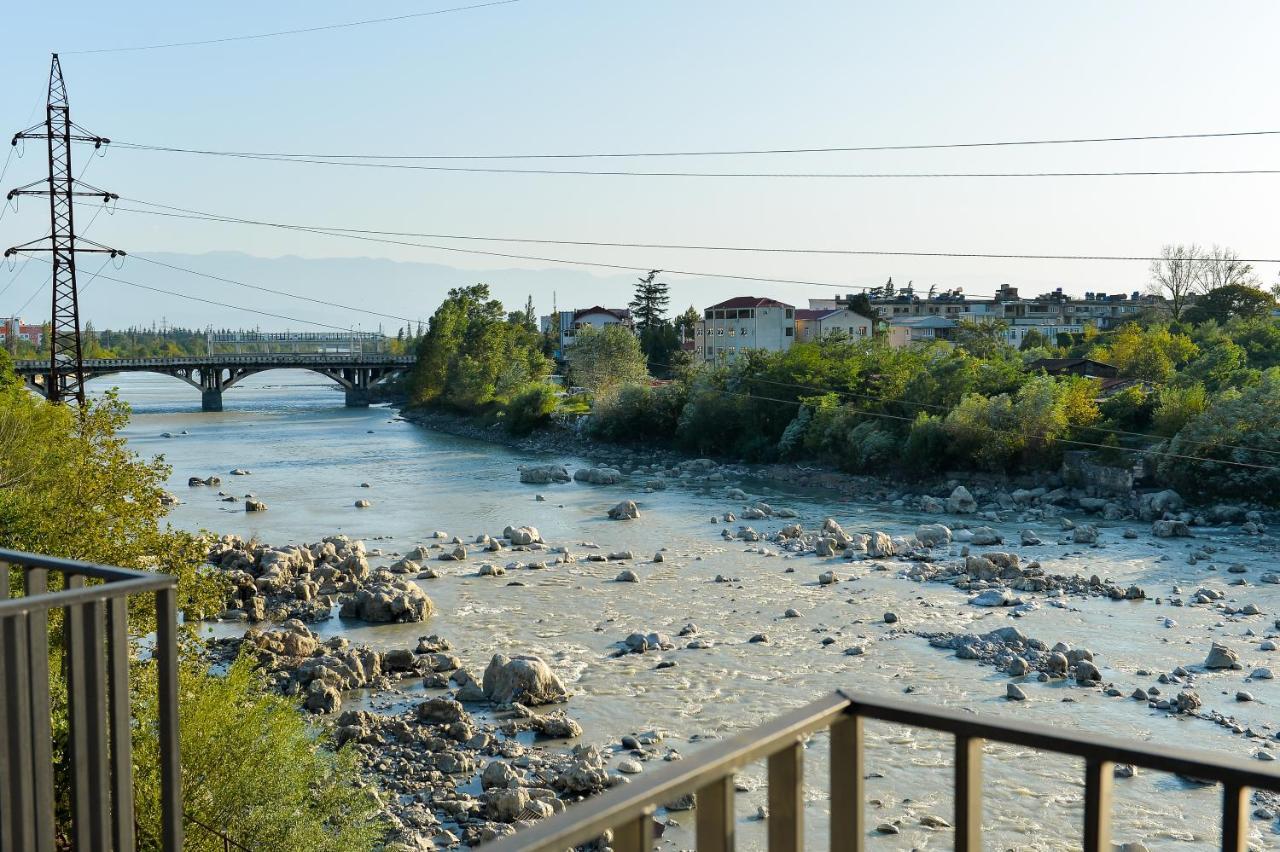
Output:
x,y
77,718
636,834
166,654
120,724
1098,775
786,799
98,754
968,792
4,589
1235,818
715,830
37,583
16,769
848,785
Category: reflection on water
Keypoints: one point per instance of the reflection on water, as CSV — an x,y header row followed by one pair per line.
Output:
x,y
308,456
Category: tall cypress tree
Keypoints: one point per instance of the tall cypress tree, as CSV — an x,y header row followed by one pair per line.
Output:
x,y
649,307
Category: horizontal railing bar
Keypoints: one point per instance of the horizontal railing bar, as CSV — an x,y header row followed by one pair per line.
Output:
x,y
592,818
1197,763
87,594
19,558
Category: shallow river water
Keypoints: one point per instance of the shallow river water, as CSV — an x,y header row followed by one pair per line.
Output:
x,y
308,456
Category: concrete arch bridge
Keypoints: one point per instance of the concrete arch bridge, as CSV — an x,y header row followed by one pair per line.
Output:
x,y
359,375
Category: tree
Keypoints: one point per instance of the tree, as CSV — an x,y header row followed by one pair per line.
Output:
x,y
649,307
861,305
1228,301
1222,267
981,339
687,322
604,359
888,288
933,288
1177,275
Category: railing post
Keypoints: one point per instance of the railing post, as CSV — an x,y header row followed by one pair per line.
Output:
x,y
635,835
120,724
848,787
78,721
1098,775
968,793
715,816
37,583
166,652
93,660
786,799
1235,818
16,768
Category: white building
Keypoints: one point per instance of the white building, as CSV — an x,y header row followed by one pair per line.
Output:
x,y
573,321
904,331
742,323
812,324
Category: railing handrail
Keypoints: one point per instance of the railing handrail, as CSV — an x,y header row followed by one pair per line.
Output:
x,y
1179,760
629,806
228,843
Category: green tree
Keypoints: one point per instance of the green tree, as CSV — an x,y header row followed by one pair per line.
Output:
x,y
1230,301
649,306
687,322
605,359
981,339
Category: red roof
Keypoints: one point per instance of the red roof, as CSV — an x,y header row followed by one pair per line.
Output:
x,y
621,313
810,313
751,302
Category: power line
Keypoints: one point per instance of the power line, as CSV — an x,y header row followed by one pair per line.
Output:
x,y
211,301
271,290
717,153
299,31
768,175
336,230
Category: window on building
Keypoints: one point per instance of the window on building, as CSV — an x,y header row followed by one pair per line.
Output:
x,y
790,331
742,331
719,314
720,332
790,313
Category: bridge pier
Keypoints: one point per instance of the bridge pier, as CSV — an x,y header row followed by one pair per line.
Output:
x,y
210,399
358,397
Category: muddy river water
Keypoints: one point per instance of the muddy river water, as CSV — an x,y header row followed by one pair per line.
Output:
x,y
308,456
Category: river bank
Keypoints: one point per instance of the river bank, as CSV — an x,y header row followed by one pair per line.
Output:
x,y
307,458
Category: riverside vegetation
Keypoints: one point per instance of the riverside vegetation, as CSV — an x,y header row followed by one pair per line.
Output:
x,y
1202,411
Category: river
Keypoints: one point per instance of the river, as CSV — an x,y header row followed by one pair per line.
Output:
x,y
308,456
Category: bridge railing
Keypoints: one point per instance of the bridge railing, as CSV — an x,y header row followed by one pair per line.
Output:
x,y
197,360
627,811
94,674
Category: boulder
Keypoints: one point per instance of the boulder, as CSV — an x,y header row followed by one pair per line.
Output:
x,y
986,536
1170,529
526,679
879,545
1085,534
933,535
625,511
992,597
253,505
1221,657
387,601
1155,505
522,535
961,502
598,475
543,474
363,504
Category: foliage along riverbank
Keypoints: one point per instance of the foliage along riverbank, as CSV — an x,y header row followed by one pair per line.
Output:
x,y
1201,405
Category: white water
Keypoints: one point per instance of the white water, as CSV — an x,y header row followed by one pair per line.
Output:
x,y
308,456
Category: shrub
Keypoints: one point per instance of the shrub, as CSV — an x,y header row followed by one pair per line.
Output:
x,y
639,413
530,409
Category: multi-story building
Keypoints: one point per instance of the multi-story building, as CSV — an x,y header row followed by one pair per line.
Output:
x,y
813,323
13,327
742,323
571,322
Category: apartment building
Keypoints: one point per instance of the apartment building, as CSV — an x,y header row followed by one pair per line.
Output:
x,y
571,322
741,323
814,323
14,328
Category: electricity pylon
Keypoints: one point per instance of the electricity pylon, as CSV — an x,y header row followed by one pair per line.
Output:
x,y
65,380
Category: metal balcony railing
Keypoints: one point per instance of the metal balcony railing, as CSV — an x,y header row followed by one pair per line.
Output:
x,y
628,810
94,602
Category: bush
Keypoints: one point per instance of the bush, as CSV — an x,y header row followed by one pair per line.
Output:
x,y
1176,406
639,413
928,446
530,409
1220,433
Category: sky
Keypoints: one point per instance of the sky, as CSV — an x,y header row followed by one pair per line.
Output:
x,y
571,76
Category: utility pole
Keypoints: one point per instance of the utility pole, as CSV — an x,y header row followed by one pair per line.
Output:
x,y
66,369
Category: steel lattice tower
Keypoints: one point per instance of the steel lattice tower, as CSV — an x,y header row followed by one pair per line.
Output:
x,y
65,380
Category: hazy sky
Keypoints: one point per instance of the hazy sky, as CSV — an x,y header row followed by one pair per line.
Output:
x,y
576,76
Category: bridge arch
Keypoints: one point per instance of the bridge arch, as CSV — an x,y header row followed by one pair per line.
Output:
x,y
358,375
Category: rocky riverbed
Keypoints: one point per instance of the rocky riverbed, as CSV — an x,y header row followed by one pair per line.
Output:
x,y
679,601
